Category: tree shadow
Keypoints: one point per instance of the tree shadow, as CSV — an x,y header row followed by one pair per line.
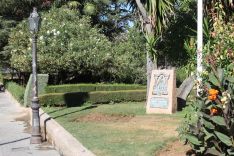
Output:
x,y
86,108
75,99
49,118
54,111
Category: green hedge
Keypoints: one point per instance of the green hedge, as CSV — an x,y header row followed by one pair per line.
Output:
x,y
91,87
1,77
78,98
42,83
16,90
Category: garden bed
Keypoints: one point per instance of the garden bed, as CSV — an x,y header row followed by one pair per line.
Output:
x,y
122,129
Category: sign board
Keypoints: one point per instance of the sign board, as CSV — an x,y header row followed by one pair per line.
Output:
x,y
162,92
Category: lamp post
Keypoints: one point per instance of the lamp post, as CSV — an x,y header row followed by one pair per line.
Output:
x,y
199,44
36,130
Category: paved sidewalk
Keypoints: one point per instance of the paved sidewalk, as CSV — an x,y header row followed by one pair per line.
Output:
x,y
14,135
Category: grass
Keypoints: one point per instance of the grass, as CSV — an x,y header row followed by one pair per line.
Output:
x,y
118,129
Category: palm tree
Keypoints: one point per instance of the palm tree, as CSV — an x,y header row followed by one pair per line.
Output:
x,y
154,15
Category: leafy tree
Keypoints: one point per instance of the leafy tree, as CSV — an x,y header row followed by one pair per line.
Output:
x,y
177,45
11,12
5,26
112,16
154,16
70,48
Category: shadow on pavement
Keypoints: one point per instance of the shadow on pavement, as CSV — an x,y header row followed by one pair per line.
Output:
x,y
10,142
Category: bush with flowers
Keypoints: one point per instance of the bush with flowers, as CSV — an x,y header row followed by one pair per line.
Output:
x,y
209,122
209,129
70,48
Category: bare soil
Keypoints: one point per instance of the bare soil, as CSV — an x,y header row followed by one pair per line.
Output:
x,y
98,117
176,148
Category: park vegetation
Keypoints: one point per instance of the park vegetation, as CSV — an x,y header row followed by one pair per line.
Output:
x,y
208,126
121,41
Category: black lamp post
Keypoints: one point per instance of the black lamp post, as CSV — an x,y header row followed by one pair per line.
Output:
x,y
36,138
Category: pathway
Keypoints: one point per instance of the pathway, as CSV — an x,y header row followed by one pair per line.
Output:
x,y
14,138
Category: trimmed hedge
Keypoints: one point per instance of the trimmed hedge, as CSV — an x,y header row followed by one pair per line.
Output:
x,y
1,78
42,83
78,98
16,90
91,87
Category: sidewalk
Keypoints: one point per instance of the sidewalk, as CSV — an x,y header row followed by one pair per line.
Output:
x,y
15,133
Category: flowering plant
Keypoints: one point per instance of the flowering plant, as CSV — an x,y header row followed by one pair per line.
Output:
x,y
212,130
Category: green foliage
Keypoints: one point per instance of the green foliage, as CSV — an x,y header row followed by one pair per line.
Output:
x,y
181,75
42,83
78,98
221,46
209,126
129,58
5,26
69,47
17,9
178,45
91,87
1,76
64,41
16,90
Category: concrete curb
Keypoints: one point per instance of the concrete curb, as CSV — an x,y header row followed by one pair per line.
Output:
x,y
62,140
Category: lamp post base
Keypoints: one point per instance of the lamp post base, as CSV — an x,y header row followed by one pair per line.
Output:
x,y
35,140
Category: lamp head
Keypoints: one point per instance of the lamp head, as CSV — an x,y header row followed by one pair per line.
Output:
x,y
34,21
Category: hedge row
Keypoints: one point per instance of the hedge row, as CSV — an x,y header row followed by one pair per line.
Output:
x,y
16,90
42,83
92,87
78,98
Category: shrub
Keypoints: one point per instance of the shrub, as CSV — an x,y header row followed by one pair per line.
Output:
x,y
16,90
181,75
70,88
78,98
91,87
209,126
71,48
42,83
1,78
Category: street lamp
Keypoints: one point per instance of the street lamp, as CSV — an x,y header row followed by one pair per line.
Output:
x,y
34,21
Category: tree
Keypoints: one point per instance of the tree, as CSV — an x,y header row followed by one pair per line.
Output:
x,y
12,12
5,26
71,50
111,16
154,15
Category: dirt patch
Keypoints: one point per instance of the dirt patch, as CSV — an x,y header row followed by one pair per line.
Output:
x,y
98,117
176,148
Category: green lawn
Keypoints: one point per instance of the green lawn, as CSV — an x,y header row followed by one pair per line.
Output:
x,y
118,129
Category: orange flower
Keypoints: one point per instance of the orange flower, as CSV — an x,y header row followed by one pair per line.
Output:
x,y
213,94
212,97
213,111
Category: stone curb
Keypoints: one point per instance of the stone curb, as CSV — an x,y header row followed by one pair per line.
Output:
x,y
62,140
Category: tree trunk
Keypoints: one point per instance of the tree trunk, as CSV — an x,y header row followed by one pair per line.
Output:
x,y
150,64
186,87
148,28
